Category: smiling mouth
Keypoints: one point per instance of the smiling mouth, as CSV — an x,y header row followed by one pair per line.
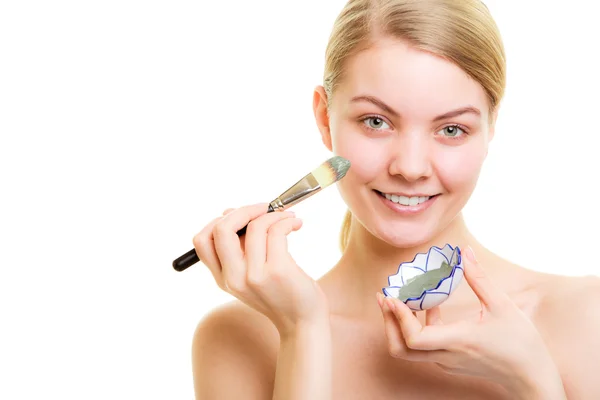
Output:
x,y
405,200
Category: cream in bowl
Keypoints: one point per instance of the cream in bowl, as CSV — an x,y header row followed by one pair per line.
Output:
x,y
428,280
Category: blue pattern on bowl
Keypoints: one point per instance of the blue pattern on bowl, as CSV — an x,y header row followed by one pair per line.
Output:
x,y
422,263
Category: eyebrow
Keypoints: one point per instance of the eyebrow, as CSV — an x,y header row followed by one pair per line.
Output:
x,y
390,110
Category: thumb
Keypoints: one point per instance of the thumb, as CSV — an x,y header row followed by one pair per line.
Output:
x,y
490,296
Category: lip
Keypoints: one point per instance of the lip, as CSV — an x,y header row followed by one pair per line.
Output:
x,y
406,210
407,195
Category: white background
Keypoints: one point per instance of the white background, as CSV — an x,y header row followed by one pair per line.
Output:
x,y
127,125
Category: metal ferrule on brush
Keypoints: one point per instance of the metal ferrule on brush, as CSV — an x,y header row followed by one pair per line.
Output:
x,y
301,190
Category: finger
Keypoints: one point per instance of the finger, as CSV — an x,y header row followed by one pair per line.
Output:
x,y
277,243
380,298
396,343
227,211
409,323
205,249
227,242
256,241
431,337
491,298
433,316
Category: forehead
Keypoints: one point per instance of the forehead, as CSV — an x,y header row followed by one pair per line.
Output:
x,y
409,80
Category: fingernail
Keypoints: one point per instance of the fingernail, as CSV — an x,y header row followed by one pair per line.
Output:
x,y
378,295
470,254
390,303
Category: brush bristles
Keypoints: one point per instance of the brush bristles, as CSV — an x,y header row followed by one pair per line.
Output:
x,y
331,171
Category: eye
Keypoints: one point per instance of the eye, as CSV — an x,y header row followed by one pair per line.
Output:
x,y
376,123
452,131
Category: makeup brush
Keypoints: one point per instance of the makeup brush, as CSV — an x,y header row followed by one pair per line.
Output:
x,y
318,179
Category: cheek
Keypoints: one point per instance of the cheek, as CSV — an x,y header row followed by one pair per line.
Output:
x,y
368,156
458,168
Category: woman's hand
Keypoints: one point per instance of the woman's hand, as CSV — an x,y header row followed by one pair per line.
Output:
x,y
501,344
258,269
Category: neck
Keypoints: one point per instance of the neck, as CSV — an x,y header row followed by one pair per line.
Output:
x,y
368,261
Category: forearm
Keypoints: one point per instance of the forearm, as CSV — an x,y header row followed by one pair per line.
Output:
x,y
304,364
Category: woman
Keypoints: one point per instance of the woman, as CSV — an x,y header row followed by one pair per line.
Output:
x,y
410,96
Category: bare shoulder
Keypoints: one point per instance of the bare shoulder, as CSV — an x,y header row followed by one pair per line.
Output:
x,y
575,300
234,353
569,318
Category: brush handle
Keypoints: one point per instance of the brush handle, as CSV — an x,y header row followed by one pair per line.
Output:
x,y
190,258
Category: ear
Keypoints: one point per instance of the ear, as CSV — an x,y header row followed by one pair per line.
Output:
x,y
322,116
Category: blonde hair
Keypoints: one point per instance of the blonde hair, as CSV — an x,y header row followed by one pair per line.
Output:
x,y
461,31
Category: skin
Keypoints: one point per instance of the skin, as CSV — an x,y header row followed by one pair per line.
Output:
x,y
505,333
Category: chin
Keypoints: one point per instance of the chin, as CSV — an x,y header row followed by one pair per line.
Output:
x,y
405,234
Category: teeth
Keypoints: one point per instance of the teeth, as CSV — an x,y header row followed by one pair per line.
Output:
x,y
406,201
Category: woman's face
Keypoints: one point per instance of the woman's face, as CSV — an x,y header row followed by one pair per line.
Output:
x,y
416,130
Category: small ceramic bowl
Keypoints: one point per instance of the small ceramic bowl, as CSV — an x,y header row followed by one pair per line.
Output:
x,y
428,280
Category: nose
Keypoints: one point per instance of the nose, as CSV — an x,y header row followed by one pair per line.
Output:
x,y
411,157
